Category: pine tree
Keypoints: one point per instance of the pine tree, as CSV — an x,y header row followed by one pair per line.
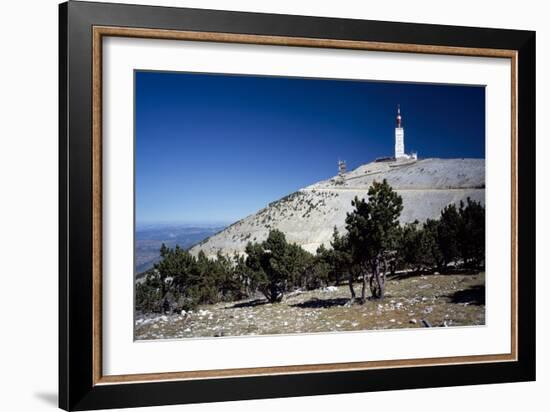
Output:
x,y
343,262
432,255
373,229
276,264
471,233
410,246
448,233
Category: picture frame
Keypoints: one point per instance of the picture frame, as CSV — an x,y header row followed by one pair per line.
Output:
x,y
82,383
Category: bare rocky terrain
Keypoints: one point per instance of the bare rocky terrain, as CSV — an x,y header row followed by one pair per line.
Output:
x,y
308,216
412,301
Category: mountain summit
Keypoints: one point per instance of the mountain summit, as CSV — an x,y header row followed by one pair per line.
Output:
x,y
309,215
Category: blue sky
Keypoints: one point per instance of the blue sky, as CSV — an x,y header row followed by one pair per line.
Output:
x,y
216,148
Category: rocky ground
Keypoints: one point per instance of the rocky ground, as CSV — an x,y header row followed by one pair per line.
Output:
x,y
412,301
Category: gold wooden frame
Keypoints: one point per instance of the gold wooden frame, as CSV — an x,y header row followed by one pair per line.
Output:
x,y
101,31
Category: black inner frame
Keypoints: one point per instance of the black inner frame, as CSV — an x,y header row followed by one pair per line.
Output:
x,y
76,389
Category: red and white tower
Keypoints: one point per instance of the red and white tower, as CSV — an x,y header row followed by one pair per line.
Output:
x,y
399,136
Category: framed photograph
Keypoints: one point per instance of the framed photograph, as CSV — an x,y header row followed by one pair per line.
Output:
x,y
257,205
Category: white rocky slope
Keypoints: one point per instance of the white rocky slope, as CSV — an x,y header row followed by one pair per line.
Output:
x,y
308,216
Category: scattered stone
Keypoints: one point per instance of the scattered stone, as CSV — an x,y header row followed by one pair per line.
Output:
x,y
413,321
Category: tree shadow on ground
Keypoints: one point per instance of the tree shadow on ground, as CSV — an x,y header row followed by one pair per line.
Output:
x,y
406,275
321,303
449,271
249,304
474,295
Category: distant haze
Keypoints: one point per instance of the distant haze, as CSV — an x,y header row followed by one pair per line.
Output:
x,y
150,237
